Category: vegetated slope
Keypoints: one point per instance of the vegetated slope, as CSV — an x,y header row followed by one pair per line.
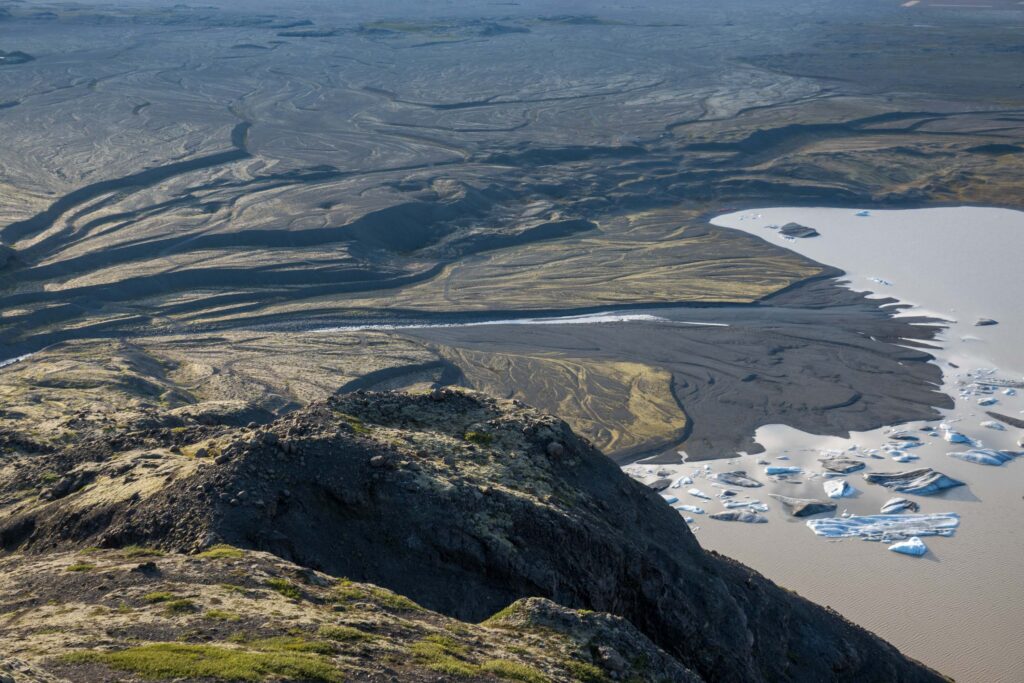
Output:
x,y
462,503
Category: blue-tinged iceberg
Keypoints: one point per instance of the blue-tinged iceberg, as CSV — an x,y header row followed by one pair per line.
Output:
x,y
886,528
986,456
923,482
912,546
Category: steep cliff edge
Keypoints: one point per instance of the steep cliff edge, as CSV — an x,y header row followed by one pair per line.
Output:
x,y
461,503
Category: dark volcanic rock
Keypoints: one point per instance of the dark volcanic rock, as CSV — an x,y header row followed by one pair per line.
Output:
x,y
466,529
804,507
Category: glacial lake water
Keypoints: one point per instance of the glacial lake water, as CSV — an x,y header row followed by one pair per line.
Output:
x,y
957,608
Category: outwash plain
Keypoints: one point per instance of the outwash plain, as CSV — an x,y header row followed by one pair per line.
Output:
x,y
218,221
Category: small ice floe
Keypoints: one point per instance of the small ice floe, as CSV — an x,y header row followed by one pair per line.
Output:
x,y
985,322
886,527
838,488
739,516
726,493
689,520
904,436
697,493
782,457
953,436
691,508
1009,392
900,456
992,424
681,481
863,214
669,499
913,546
881,281
923,482
985,456
988,401
780,469
896,505
737,478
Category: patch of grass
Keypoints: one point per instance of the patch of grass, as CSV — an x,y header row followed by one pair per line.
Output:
x,y
81,567
355,423
586,672
513,671
347,591
179,660
503,613
292,644
479,438
343,633
49,477
179,606
442,654
285,588
134,551
222,551
222,615
158,596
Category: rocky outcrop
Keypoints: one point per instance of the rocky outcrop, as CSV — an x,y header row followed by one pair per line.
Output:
x,y
464,504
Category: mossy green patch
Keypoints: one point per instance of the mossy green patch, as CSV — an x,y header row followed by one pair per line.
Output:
x,y
221,615
285,588
343,633
134,551
586,672
513,671
158,596
347,591
479,438
179,660
81,567
222,551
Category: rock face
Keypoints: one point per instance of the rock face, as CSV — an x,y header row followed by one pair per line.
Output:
x,y
466,513
923,482
804,507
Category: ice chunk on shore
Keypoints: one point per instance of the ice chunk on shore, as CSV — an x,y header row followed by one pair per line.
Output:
x,y
838,488
992,424
681,481
912,546
886,527
669,499
691,508
863,214
988,401
739,516
780,469
985,456
699,494
923,482
896,505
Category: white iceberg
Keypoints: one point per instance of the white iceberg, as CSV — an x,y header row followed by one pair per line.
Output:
x,y
699,494
955,437
691,508
992,424
912,546
863,214
988,401
886,527
838,488
669,499
779,469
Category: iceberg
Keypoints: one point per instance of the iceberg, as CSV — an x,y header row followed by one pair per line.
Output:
x,y
955,437
841,465
912,546
838,488
923,482
804,507
992,424
699,494
779,469
895,505
739,516
737,478
863,214
886,527
669,499
988,401
985,456
691,508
